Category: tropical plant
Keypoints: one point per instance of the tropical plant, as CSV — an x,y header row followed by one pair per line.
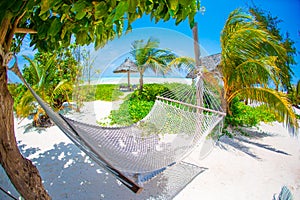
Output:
x,y
147,55
285,194
137,105
48,82
294,95
297,93
249,65
271,24
50,22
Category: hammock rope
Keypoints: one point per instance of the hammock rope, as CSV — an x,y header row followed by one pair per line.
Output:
x,y
170,132
8,194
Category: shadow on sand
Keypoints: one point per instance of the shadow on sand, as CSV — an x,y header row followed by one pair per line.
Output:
x,y
68,173
240,143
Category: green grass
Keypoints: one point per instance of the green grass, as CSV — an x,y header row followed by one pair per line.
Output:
x,y
103,92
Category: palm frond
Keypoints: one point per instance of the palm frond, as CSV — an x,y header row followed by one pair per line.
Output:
x,y
36,73
26,105
62,88
255,71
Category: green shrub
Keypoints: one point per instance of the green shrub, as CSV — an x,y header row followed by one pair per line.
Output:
x,y
16,91
150,91
248,116
130,111
137,106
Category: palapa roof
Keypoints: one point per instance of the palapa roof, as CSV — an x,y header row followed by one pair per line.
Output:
x,y
127,65
209,62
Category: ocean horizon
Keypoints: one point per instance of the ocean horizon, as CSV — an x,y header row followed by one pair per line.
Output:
x,y
135,80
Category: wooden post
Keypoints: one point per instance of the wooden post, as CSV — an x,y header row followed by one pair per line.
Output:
x,y
128,79
199,86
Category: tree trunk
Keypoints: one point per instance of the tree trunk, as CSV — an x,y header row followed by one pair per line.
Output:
x,y
141,83
199,88
22,173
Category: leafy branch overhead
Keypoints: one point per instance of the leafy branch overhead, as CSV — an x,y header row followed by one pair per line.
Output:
x,y
90,21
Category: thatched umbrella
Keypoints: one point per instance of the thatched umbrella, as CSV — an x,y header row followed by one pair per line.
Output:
x,y
126,67
210,62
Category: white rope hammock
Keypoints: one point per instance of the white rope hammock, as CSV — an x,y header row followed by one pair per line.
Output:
x,y
172,129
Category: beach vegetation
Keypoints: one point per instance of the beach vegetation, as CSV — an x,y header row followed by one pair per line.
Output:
x,y
136,106
84,74
271,23
249,65
248,116
16,90
147,55
294,94
51,75
103,92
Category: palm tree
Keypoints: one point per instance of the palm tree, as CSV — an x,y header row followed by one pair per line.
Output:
x,y
44,81
248,65
147,55
298,93
294,95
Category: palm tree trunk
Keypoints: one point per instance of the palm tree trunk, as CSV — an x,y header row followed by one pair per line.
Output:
x,y
141,82
199,88
22,173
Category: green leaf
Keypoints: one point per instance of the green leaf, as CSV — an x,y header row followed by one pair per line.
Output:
x,y
45,16
173,4
191,21
78,6
81,37
55,27
42,31
178,20
100,10
63,32
16,6
167,16
132,6
171,13
120,10
45,6
80,15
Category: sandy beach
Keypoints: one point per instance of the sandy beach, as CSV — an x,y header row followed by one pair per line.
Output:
x,y
253,167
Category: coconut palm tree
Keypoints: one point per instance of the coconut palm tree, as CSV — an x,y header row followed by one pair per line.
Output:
x,y
294,94
147,55
248,65
298,93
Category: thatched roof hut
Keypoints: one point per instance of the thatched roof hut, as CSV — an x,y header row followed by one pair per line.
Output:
x,y
210,62
128,66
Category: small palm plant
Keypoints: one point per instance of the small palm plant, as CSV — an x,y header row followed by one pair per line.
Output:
x,y
285,194
44,80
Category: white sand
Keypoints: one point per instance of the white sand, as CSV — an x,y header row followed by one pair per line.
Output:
x,y
243,168
247,168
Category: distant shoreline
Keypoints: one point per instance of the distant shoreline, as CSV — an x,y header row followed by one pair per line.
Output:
x,y
135,80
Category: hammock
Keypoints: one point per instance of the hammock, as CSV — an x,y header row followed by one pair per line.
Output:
x,y
137,153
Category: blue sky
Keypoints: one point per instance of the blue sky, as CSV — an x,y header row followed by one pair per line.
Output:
x,y
179,38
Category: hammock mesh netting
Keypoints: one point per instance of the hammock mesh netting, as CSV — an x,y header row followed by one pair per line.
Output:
x,y
180,119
